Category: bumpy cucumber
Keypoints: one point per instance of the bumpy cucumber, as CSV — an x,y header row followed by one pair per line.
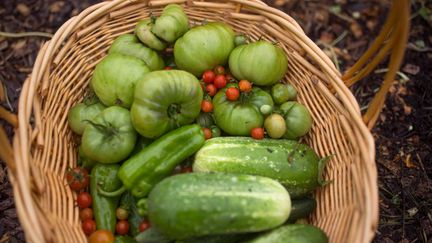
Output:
x,y
294,165
298,233
199,204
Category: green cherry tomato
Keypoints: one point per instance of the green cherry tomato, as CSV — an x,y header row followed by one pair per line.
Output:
x,y
283,92
111,137
297,118
275,125
204,47
266,110
261,62
144,34
80,113
240,116
115,77
165,100
130,45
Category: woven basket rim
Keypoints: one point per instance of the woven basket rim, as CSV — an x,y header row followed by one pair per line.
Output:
x,y
28,134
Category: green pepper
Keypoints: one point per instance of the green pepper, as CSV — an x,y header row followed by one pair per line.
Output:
x,y
129,203
155,162
105,178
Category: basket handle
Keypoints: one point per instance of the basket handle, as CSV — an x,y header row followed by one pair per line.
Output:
x,y
6,151
391,41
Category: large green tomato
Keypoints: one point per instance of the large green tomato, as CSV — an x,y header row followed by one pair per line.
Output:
x,y
80,113
111,137
261,62
297,119
144,34
204,47
172,23
115,77
165,100
130,45
239,117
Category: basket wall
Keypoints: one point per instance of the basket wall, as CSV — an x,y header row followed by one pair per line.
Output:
x,y
45,147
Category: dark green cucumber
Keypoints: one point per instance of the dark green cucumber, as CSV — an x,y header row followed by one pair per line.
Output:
x,y
294,165
298,233
301,208
215,239
199,204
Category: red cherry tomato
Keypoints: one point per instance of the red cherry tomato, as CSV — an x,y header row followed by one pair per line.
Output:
x,y
122,227
86,213
220,81
219,70
245,86
211,90
208,76
77,178
168,68
187,169
206,106
144,225
207,133
88,226
84,200
229,77
232,94
257,133
101,236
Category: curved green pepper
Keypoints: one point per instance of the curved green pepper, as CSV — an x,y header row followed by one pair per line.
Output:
x,y
172,23
155,162
104,177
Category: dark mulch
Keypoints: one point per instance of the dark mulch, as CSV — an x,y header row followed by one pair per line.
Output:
x,y
403,133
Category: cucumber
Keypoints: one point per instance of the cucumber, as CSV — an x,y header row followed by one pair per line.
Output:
x,y
294,165
215,239
200,204
298,233
152,235
301,208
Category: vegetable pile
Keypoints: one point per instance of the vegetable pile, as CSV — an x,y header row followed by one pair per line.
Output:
x,y
191,135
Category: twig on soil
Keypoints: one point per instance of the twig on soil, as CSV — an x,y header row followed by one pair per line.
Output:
x,y
25,34
8,116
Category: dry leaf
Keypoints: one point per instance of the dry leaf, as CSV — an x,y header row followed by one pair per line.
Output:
x,y
23,9
55,7
408,162
356,29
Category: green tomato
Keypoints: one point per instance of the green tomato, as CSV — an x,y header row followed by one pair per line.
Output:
x,y
204,47
261,62
80,113
115,77
165,100
172,23
266,110
130,45
86,162
239,117
297,118
283,92
144,34
111,137
275,125
205,120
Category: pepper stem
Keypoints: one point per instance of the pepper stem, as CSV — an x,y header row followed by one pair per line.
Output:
x,y
115,193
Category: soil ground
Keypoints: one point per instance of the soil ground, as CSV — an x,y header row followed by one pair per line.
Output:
x,y
403,133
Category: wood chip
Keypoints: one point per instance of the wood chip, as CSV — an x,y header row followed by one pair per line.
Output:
x,y
23,9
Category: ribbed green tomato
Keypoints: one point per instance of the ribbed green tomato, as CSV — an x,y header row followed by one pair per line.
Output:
x,y
144,34
80,113
297,118
261,62
204,47
115,77
111,137
165,100
239,117
172,23
130,45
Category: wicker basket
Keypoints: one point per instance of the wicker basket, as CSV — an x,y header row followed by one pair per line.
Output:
x,y
44,145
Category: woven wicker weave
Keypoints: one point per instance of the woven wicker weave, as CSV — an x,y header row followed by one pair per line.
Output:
x,y
44,145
